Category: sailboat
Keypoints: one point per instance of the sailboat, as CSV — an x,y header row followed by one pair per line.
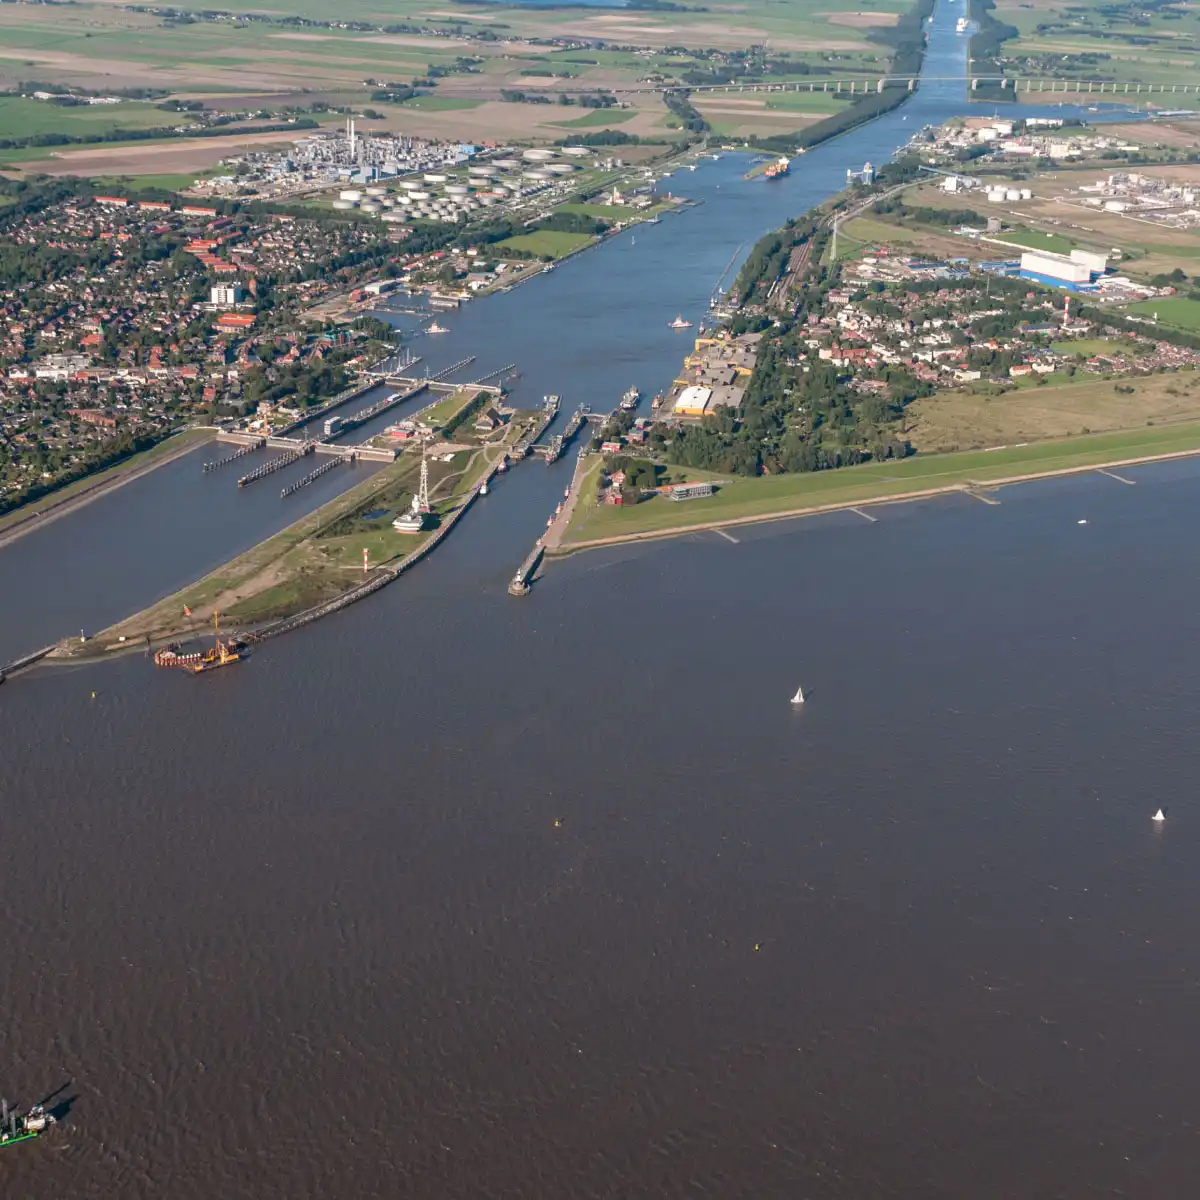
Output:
x,y
1159,816
798,698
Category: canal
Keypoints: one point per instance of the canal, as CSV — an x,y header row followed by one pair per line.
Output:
x,y
587,331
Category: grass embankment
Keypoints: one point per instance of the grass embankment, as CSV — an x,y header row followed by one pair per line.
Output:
x,y
93,485
314,559
748,500
550,242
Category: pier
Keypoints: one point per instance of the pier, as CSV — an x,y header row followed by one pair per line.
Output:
x,y
458,366
248,448
556,527
315,474
277,464
492,375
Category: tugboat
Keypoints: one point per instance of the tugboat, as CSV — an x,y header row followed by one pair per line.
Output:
x,y
629,401
15,1128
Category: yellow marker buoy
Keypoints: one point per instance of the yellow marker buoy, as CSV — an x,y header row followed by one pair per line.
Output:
x,y
557,823
93,695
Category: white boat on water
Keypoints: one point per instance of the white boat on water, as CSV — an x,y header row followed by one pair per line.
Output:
x,y
436,328
680,323
1159,816
798,698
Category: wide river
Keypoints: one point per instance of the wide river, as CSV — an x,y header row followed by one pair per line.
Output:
x,y
458,896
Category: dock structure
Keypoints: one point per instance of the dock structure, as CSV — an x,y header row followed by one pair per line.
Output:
x,y
278,463
438,376
492,375
556,527
373,410
248,448
313,475
375,453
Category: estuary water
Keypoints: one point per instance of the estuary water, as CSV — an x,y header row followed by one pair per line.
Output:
x,y
459,896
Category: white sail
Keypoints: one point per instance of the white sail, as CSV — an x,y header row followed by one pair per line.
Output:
x,y
1159,816
798,698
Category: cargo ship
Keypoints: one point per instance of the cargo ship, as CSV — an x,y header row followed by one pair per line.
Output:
x,y
16,1128
778,169
629,401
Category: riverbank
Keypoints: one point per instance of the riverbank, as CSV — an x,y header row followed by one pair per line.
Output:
x,y
751,501
39,513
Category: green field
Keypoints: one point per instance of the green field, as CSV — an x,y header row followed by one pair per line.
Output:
x,y
441,103
599,118
1178,311
1034,239
1087,346
546,241
602,212
21,117
750,498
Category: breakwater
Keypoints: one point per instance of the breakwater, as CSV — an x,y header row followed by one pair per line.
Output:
x,y
277,464
313,475
248,448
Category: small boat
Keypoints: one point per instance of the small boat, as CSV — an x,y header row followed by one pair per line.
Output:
x,y
15,1128
679,323
1159,816
798,698
436,328
483,488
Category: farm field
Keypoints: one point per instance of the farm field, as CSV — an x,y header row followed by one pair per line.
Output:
x,y
552,242
1178,311
22,117
959,420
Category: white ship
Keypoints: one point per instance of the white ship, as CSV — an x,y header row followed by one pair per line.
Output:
x,y
436,328
680,323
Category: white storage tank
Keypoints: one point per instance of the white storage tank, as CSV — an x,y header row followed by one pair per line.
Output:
x,y
394,216
540,176
1026,193
351,194
1012,194
368,206
506,164
561,168
376,191
410,185
576,151
538,155
343,205
480,172
995,195
420,195
434,178
457,189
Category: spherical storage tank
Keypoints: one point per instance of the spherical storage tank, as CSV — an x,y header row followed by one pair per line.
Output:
x,y
343,205
351,194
